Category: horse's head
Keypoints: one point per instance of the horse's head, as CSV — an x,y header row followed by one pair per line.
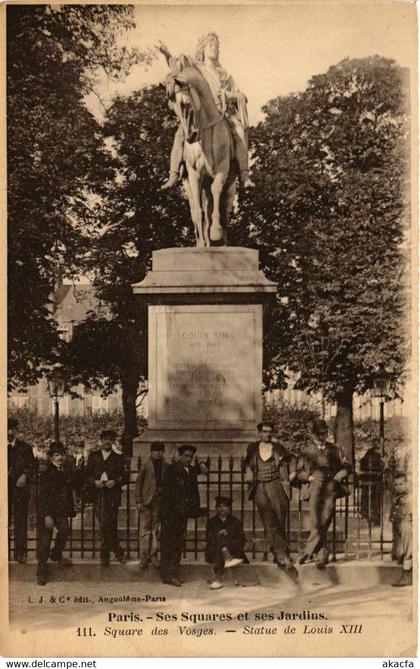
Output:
x,y
183,100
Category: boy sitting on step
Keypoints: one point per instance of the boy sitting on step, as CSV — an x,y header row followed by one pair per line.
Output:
x,y
225,541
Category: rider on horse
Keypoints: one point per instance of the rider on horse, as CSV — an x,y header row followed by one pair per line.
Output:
x,y
229,100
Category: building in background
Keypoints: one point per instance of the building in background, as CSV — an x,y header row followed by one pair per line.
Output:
x,y
72,302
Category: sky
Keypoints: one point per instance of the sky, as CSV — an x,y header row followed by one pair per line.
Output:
x,y
270,50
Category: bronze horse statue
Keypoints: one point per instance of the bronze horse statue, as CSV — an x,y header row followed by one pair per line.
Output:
x,y
208,155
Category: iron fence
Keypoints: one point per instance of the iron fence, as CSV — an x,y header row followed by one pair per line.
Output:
x,y
360,527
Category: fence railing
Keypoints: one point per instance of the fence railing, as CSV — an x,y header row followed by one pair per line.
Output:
x,y
360,527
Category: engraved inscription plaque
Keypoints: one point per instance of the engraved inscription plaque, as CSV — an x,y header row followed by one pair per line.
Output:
x,y
206,366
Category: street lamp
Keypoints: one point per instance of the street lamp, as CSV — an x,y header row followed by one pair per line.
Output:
x,y
381,388
56,385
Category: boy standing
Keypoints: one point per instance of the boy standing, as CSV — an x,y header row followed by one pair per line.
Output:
x,y
401,517
149,501
55,507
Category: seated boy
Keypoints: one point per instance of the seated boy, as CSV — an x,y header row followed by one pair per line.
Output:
x,y
225,541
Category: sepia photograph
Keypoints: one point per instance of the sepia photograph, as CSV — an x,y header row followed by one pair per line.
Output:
x,y
212,286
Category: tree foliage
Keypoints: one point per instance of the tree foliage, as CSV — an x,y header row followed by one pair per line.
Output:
x,y
57,161
329,216
138,218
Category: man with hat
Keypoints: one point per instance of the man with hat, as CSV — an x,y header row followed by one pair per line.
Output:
x,y
55,507
20,465
267,473
105,474
225,541
180,501
321,469
148,502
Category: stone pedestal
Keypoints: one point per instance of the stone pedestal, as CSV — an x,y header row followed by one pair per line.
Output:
x,y
205,348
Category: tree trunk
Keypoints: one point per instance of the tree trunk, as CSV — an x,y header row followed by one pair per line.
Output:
x,y
129,385
343,428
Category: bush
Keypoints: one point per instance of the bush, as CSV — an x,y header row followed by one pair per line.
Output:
x,y
38,429
292,428
397,446
291,422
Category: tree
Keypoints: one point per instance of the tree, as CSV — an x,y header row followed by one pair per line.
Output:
x,y
137,218
329,216
57,161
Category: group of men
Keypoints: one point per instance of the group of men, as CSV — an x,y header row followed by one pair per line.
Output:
x,y
167,496
101,480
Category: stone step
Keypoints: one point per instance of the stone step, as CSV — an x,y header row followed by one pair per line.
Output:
x,y
195,544
357,574
246,516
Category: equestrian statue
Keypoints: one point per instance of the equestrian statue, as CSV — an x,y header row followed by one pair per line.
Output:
x,y
211,140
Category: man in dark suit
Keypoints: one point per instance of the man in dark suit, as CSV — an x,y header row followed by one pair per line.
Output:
x,y
180,501
149,501
20,467
267,474
55,507
321,470
105,474
225,541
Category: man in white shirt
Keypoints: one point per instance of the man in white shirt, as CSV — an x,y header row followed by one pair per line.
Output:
x,y
267,474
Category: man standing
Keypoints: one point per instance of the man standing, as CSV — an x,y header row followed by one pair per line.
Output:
x,y
106,473
402,529
180,501
148,502
225,541
20,465
322,469
228,99
267,473
55,507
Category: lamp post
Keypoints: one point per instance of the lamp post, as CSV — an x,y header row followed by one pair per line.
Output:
x,y
56,384
381,388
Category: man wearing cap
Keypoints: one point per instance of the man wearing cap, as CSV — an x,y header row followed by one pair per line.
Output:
x,y
180,501
55,507
401,517
267,473
105,474
225,541
322,469
20,466
148,502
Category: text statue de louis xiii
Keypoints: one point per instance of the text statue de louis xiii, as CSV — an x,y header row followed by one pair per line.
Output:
x,y
211,139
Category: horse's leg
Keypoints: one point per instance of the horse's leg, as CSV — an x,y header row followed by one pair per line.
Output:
x,y
194,183
216,230
207,202
227,200
189,195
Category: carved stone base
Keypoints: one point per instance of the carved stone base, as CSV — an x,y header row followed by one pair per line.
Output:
x,y
205,347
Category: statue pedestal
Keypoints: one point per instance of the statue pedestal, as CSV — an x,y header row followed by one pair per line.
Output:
x,y
205,348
